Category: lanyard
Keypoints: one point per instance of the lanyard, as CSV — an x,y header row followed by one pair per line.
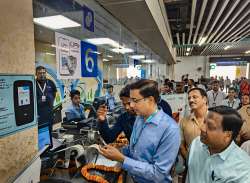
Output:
x,y
136,138
215,96
44,87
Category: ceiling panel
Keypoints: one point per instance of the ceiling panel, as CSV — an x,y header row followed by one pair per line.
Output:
x,y
220,24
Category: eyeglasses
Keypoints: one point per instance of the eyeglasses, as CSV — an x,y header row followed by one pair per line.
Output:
x,y
134,100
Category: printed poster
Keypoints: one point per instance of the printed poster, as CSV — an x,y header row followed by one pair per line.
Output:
x,y
68,57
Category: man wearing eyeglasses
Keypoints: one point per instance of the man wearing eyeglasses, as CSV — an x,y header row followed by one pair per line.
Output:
x,y
214,156
125,121
155,139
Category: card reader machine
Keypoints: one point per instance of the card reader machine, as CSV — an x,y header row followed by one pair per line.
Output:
x,y
23,101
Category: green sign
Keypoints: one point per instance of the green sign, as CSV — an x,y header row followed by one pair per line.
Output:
x,y
212,66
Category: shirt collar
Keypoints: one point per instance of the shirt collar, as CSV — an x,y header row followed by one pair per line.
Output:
x,y
156,118
192,116
224,154
234,100
75,107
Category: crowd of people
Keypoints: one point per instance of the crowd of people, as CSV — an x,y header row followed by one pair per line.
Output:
x,y
214,140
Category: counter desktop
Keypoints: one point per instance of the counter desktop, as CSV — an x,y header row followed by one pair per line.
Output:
x,y
73,146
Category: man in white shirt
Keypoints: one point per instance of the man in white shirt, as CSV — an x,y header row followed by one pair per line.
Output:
x,y
231,101
214,156
215,97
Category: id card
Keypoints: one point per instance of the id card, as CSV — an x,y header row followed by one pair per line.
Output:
x,y
43,98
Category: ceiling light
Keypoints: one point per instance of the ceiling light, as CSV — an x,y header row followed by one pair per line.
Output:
x,y
188,49
148,61
103,41
227,47
248,51
137,57
56,22
47,53
122,50
202,40
96,52
105,60
109,56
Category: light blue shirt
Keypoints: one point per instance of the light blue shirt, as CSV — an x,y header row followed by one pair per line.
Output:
x,y
153,148
230,166
235,104
74,112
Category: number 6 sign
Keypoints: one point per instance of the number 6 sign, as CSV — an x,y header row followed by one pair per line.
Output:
x,y
89,60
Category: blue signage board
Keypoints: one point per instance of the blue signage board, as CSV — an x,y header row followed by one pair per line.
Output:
x,y
89,60
136,62
88,19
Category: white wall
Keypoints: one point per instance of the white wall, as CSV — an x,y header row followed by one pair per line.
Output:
x,y
189,65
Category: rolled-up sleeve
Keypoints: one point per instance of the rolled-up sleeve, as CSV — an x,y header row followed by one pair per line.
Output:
x,y
163,159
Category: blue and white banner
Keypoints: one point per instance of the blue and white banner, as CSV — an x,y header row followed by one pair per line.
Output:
x,y
88,19
89,60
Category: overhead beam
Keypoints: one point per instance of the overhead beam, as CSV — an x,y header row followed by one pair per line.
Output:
x,y
204,4
192,20
231,20
238,32
216,19
224,19
228,31
208,18
178,38
183,38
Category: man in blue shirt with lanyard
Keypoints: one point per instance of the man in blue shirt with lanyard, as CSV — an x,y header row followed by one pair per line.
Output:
x,y
155,140
46,92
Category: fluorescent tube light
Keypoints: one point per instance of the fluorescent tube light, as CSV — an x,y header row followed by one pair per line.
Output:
x,y
122,50
56,22
227,47
47,53
202,40
137,57
149,61
103,41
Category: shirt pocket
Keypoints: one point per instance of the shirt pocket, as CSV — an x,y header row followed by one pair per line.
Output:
x,y
148,147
